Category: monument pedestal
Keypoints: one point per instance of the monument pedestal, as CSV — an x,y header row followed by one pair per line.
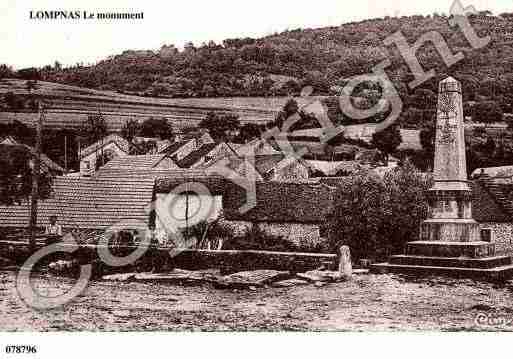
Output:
x,y
475,260
450,242
450,230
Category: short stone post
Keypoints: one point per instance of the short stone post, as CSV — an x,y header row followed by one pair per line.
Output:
x,y
344,265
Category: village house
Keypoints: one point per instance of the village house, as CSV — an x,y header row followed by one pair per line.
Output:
x,y
279,167
257,146
202,156
233,165
8,140
296,212
155,145
505,173
184,144
492,207
111,146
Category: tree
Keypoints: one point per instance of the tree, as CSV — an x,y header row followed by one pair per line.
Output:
x,y
157,128
94,128
6,71
387,140
249,131
487,112
209,234
130,130
289,109
219,126
30,73
376,216
19,131
16,175
423,99
427,138
14,102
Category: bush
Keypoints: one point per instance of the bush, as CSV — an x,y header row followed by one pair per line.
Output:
x,y
376,216
257,239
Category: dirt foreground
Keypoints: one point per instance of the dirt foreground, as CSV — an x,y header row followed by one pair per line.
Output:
x,y
368,302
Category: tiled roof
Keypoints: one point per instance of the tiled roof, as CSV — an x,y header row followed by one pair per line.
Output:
x,y
134,161
136,173
264,163
172,148
370,156
216,185
492,201
331,168
163,144
283,202
120,141
196,155
88,203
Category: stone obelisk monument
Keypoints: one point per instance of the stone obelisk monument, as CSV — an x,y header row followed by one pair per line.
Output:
x,y
450,241
450,198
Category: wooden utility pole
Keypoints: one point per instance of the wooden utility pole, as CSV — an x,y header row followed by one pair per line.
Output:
x,y
66,153
35,179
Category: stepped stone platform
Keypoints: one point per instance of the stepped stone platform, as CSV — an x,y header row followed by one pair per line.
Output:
x,y
474,260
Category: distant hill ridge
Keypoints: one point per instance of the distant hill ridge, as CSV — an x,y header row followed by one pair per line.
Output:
x,y
282,63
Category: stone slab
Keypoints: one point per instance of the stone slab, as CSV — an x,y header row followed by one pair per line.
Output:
x,y
497,274
176,276
465,262
256,278
450,249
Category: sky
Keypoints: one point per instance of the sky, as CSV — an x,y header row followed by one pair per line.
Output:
x,y
26,42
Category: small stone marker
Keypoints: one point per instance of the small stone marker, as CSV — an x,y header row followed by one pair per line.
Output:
x,y
344,266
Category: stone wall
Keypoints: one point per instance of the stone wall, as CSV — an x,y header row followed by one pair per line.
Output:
x,y
502,236
235,261
304,235
162,259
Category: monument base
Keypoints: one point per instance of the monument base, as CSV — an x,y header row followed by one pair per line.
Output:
x,y
450,230
475,260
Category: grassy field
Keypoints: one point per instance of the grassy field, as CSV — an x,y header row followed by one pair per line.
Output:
x,y
69,106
